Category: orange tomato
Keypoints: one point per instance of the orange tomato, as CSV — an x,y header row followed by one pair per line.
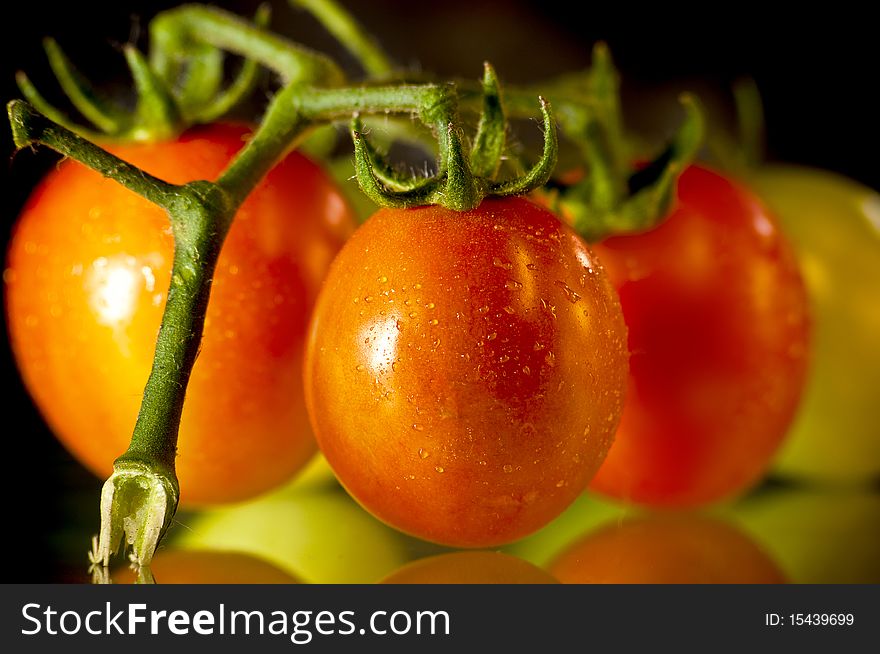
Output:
x,y
87,275
465,371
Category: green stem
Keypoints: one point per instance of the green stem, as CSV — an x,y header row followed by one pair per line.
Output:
x,y
171,32
351,34
30,127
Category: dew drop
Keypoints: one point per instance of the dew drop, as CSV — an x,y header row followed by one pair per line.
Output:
x,y
507,468
492,336
412,314
483,309
430,305
531,266
513,285
434,321
499,263
526,370
360,367
423,453
570,295
382,280
417,287
503,358
439,469
369,298
509,310
560,483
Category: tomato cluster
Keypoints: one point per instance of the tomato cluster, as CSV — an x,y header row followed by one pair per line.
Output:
x,y
468,375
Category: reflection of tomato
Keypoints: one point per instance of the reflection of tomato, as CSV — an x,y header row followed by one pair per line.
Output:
x,y
665,549
834,226
587,512
465,371
470,568
718,327
194,567
88,270
318,536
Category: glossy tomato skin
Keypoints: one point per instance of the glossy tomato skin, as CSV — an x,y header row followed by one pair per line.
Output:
x,y
465,371
834,226
718,334
87,275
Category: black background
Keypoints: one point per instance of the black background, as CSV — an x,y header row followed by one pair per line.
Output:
x,y
817,70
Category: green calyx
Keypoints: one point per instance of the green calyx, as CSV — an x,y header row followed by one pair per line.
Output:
x,y
615,196
465,175
168,98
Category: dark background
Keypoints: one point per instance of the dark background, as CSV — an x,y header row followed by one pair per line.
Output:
x,y
817,70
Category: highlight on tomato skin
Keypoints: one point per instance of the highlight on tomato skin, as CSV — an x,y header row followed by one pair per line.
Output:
x,y
205,567
718,321
465,371
481,567
87,274
674,548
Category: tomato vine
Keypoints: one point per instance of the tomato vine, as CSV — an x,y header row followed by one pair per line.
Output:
x,y
179,84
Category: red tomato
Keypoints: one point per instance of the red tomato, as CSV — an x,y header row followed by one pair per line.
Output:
x,y
88,272
465,371
718,335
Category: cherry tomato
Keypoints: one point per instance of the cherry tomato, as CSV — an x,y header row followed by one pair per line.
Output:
x,y
88,271
666,549
834,226
718,335
470,568
465,371
194,567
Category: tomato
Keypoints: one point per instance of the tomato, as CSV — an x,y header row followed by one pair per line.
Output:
x,y
666,549
465,371
470,568
834,226
194,567
88,270
320,537
718,334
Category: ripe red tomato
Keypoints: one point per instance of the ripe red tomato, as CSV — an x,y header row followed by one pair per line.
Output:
x,y
465,371
88,272
718,334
